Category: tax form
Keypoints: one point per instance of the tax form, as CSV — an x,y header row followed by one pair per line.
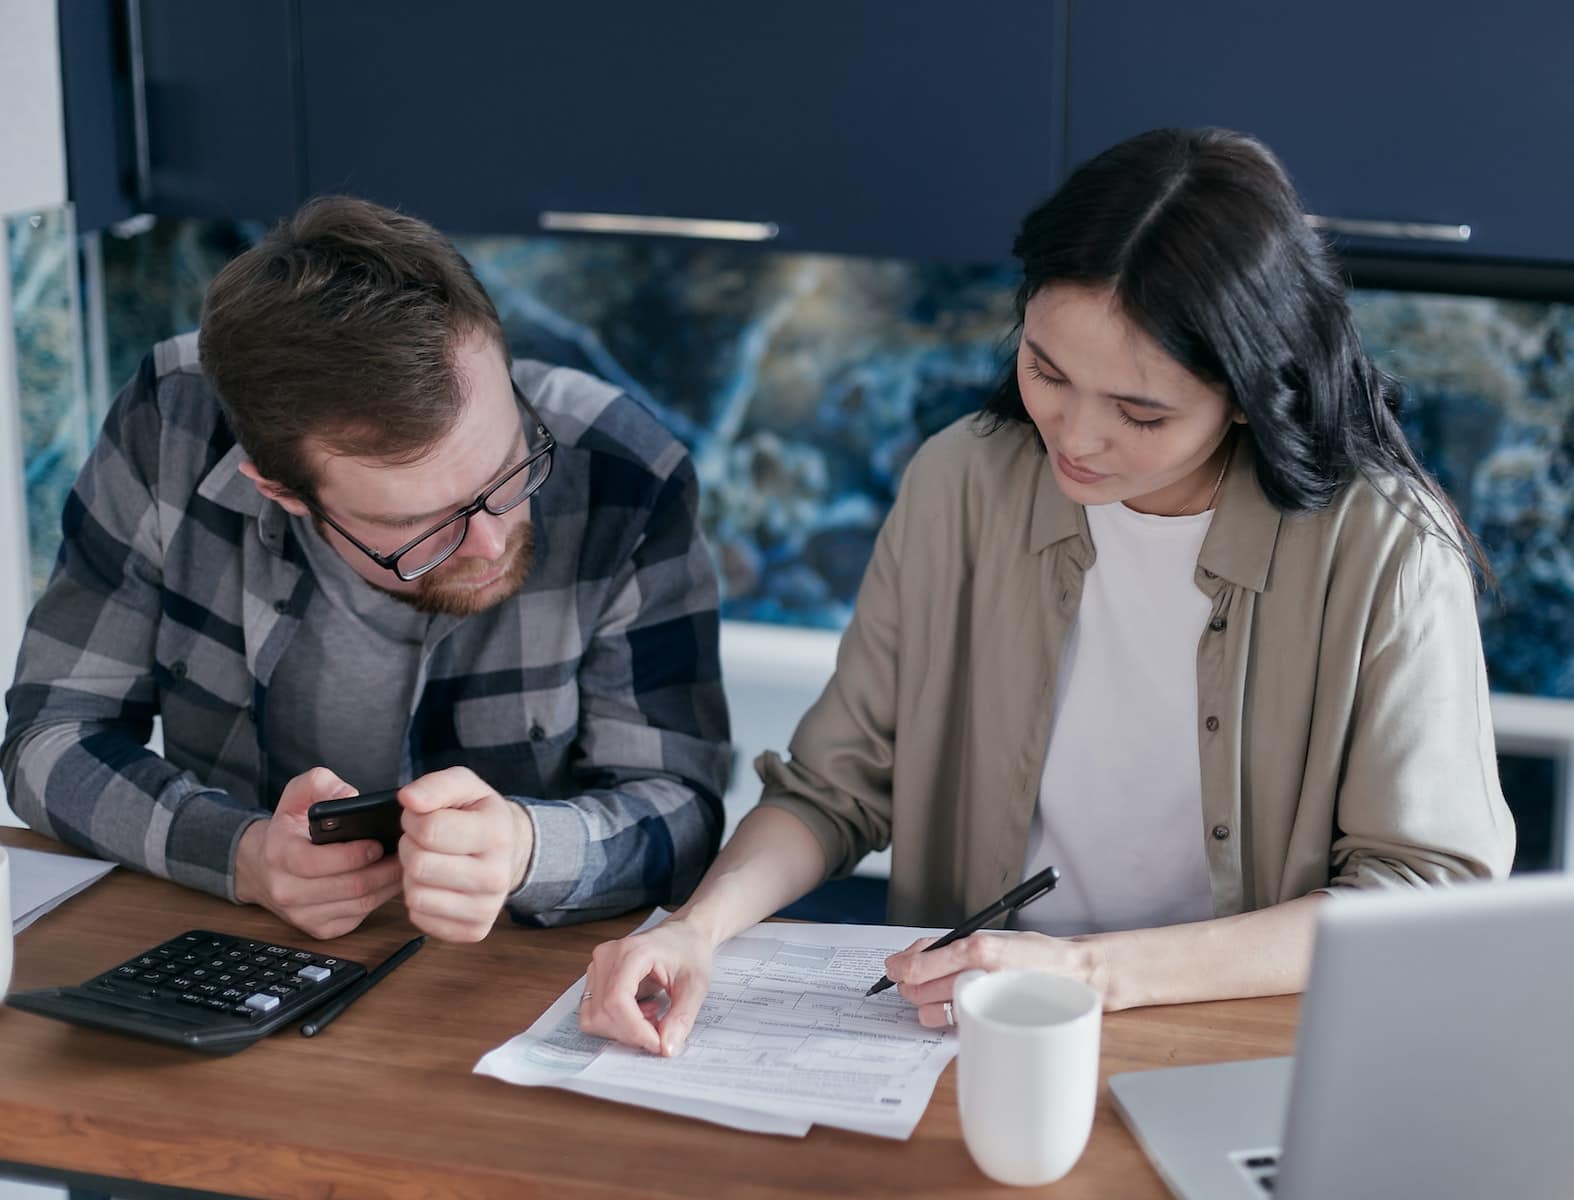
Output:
x,y
785,1039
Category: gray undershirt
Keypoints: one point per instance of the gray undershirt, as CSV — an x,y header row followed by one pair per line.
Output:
x,y
340,696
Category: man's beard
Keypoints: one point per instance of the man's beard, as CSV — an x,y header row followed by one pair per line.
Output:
x,y
442,591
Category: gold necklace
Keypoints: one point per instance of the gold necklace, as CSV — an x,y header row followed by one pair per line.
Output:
x,y
1213,495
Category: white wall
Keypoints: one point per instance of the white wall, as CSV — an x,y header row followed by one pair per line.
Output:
x,y
772,674
32,127
33,176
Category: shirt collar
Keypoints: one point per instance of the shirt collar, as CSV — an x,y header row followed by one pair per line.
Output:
x,y
225,486
1240,541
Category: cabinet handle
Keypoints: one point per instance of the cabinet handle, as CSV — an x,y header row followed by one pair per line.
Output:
x,y
1414,231
691,227
139,104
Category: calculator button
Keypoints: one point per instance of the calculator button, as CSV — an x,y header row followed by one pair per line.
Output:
x,y
280,989
264,960
147,962
190,998
240,1010
198,972
262,1003
127,972
185,983
216,1004
236,955
151,977
189,959
190,937
330,963
313,974
243,970
207,989
281,951
233,995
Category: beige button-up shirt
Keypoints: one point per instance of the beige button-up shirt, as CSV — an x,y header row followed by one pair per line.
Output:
x,y
1343,720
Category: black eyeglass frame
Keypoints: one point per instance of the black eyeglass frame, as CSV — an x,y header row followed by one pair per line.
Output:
x,y
390,562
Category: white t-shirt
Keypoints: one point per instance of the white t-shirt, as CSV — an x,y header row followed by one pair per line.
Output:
x,y
1120,803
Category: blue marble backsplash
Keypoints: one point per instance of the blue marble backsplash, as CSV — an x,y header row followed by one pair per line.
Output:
x,y
803,384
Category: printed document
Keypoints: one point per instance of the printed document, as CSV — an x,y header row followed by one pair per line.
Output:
x,y
785,1039
41,881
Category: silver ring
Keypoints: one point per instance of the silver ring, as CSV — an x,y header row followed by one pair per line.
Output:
x,y
950,1014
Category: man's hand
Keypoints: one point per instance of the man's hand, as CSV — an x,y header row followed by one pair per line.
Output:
x,y
464,849
324,891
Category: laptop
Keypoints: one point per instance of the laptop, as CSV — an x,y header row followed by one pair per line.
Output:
x,y
1435,1058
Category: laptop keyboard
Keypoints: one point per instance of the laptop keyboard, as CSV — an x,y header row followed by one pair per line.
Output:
x,y
1261,1168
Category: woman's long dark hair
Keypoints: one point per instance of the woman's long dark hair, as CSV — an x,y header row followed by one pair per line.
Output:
x,y
1202,238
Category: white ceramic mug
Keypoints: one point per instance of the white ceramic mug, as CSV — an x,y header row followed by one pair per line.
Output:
x,y
6,941
1027,1071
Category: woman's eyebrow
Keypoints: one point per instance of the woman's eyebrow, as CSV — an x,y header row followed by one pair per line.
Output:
x,y
1139,401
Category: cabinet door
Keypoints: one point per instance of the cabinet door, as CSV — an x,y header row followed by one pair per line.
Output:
x,y
1449,114
924,127
218,125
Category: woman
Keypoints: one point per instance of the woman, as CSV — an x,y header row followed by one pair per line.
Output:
x,y
1180,614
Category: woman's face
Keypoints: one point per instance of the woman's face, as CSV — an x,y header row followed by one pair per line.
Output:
x,y
1121,419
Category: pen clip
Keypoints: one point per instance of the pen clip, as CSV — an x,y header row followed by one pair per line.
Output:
x,y
1040,885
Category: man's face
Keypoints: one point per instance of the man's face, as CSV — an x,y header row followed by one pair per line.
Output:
x,y
386,504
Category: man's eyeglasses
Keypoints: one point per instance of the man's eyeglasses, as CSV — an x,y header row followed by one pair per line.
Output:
x,y
427,551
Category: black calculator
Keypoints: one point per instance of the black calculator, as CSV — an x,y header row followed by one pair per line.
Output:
x,y
209,991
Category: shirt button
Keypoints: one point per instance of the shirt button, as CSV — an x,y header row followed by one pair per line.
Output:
x,y
1213,724
1221,833
537,733
178,669
1217,624
282,607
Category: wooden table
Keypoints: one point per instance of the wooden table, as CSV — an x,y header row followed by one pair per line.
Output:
x,y
384,1102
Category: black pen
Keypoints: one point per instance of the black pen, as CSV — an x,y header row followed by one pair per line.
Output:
x,y
355,991
1025,893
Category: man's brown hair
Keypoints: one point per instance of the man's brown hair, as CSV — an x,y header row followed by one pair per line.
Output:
x,y
342,325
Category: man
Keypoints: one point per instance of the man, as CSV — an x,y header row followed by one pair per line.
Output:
x,y
337,544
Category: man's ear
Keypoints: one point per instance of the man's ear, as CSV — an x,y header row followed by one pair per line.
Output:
x,y
277,492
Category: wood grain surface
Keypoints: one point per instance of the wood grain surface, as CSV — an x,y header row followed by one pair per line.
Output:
x,y
383,1103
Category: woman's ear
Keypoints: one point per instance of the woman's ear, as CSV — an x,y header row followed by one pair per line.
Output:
x,y
277,492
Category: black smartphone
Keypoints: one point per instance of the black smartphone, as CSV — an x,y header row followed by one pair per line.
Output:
x,y
373,815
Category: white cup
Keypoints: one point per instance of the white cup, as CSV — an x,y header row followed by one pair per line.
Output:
x,y
1027,1072
6,941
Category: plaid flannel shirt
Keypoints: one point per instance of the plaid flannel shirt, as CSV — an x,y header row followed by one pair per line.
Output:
x,y
593,697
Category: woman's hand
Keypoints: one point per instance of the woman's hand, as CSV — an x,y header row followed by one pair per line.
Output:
x,y
929,980
623,984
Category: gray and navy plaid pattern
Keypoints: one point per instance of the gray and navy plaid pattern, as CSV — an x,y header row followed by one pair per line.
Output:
x,y
593,697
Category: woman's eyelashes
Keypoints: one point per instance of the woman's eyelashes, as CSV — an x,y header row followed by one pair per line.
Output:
x,y
1128,419
1038,373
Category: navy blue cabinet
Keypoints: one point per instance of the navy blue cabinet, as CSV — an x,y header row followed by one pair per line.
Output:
x,y
1444,114
915,128
923,128
218,126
